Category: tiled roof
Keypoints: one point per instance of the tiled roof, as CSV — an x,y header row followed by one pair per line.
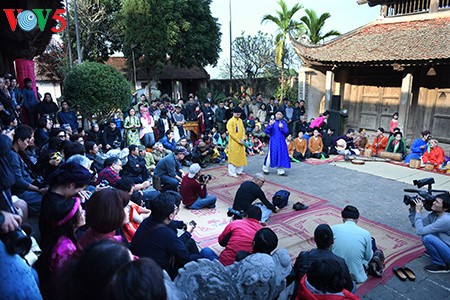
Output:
x,y
384,41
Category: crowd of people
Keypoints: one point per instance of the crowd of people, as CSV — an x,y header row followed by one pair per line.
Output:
x,y
107,199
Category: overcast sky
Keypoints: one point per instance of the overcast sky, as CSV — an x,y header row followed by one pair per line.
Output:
x,y
246,16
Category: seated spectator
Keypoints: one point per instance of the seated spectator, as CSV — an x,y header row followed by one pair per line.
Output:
x,y
159,152
154,239
265,241
77,138
308,134
315,145
290,147
150,163
71,148
434,155
25,187
111,136
328,145
301,147
323,237
110,172
379,143
419,146
91,149
42,133
88,276
65,215
248,192
187,161
67,116
258,131
47,108
140,279
353,243
104,215
66,182
239,235
193,189
248,143
135,167
201,154
324,280
169,169
94,134
397,144
257,145
168,141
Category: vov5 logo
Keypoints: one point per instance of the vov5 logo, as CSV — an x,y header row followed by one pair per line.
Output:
x,y
29,19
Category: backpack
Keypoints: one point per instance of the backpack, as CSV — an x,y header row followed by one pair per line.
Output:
x,y
280,199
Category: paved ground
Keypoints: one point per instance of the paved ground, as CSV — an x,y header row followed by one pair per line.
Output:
x,y
379,199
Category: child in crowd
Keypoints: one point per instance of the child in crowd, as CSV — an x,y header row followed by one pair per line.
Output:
x,y
259,133
257,145
249,123
291,147
248,145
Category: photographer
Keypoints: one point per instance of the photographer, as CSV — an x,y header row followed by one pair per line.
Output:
x,y
193,189
434,230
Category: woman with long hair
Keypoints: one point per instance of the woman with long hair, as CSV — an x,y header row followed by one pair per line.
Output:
x,y
146,134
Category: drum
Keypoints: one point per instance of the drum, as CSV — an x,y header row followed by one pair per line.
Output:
x,y
414,163
192,125
429,167
391,155
368,152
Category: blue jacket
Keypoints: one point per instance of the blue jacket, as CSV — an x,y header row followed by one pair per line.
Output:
x,y
168,166
168,145
29,98
68,117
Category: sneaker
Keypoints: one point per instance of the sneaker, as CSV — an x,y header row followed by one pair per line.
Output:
x,y
436,269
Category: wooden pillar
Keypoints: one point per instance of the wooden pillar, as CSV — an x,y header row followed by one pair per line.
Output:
x,y
434,6
329,82
405,100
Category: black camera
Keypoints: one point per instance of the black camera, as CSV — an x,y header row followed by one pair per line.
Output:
x,y
204,177
425,195
192,223
236,214
16,241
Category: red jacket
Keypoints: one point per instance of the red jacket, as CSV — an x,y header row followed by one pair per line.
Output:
x,y
242,234
190,190
435,157
305,294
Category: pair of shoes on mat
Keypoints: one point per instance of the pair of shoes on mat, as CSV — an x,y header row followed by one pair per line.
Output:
x,y
299,206
404,273
437,269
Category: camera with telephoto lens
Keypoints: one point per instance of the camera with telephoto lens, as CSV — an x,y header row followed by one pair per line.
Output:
x,y
204,177
16,241
236,214
425,196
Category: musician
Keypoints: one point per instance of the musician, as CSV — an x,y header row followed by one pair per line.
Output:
x,y
434,155
397,144
379,143
344,144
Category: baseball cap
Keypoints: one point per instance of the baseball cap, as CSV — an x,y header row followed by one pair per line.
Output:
x,y
180,149
193,170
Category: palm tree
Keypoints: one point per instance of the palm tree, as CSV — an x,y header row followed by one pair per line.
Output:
x,y
286,25
314,26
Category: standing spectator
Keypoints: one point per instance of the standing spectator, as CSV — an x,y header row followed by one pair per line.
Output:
x,y
17,98
319,121
236,149
191,107
254,106
239,235
67,116
164,123
208,115
193,189
48,108
220,116
288,113
132,124
271,109
30,102
302,108
178,120
261,114
277,156
393,124
146,134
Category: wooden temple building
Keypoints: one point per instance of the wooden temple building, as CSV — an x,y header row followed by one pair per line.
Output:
x,y
398,63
